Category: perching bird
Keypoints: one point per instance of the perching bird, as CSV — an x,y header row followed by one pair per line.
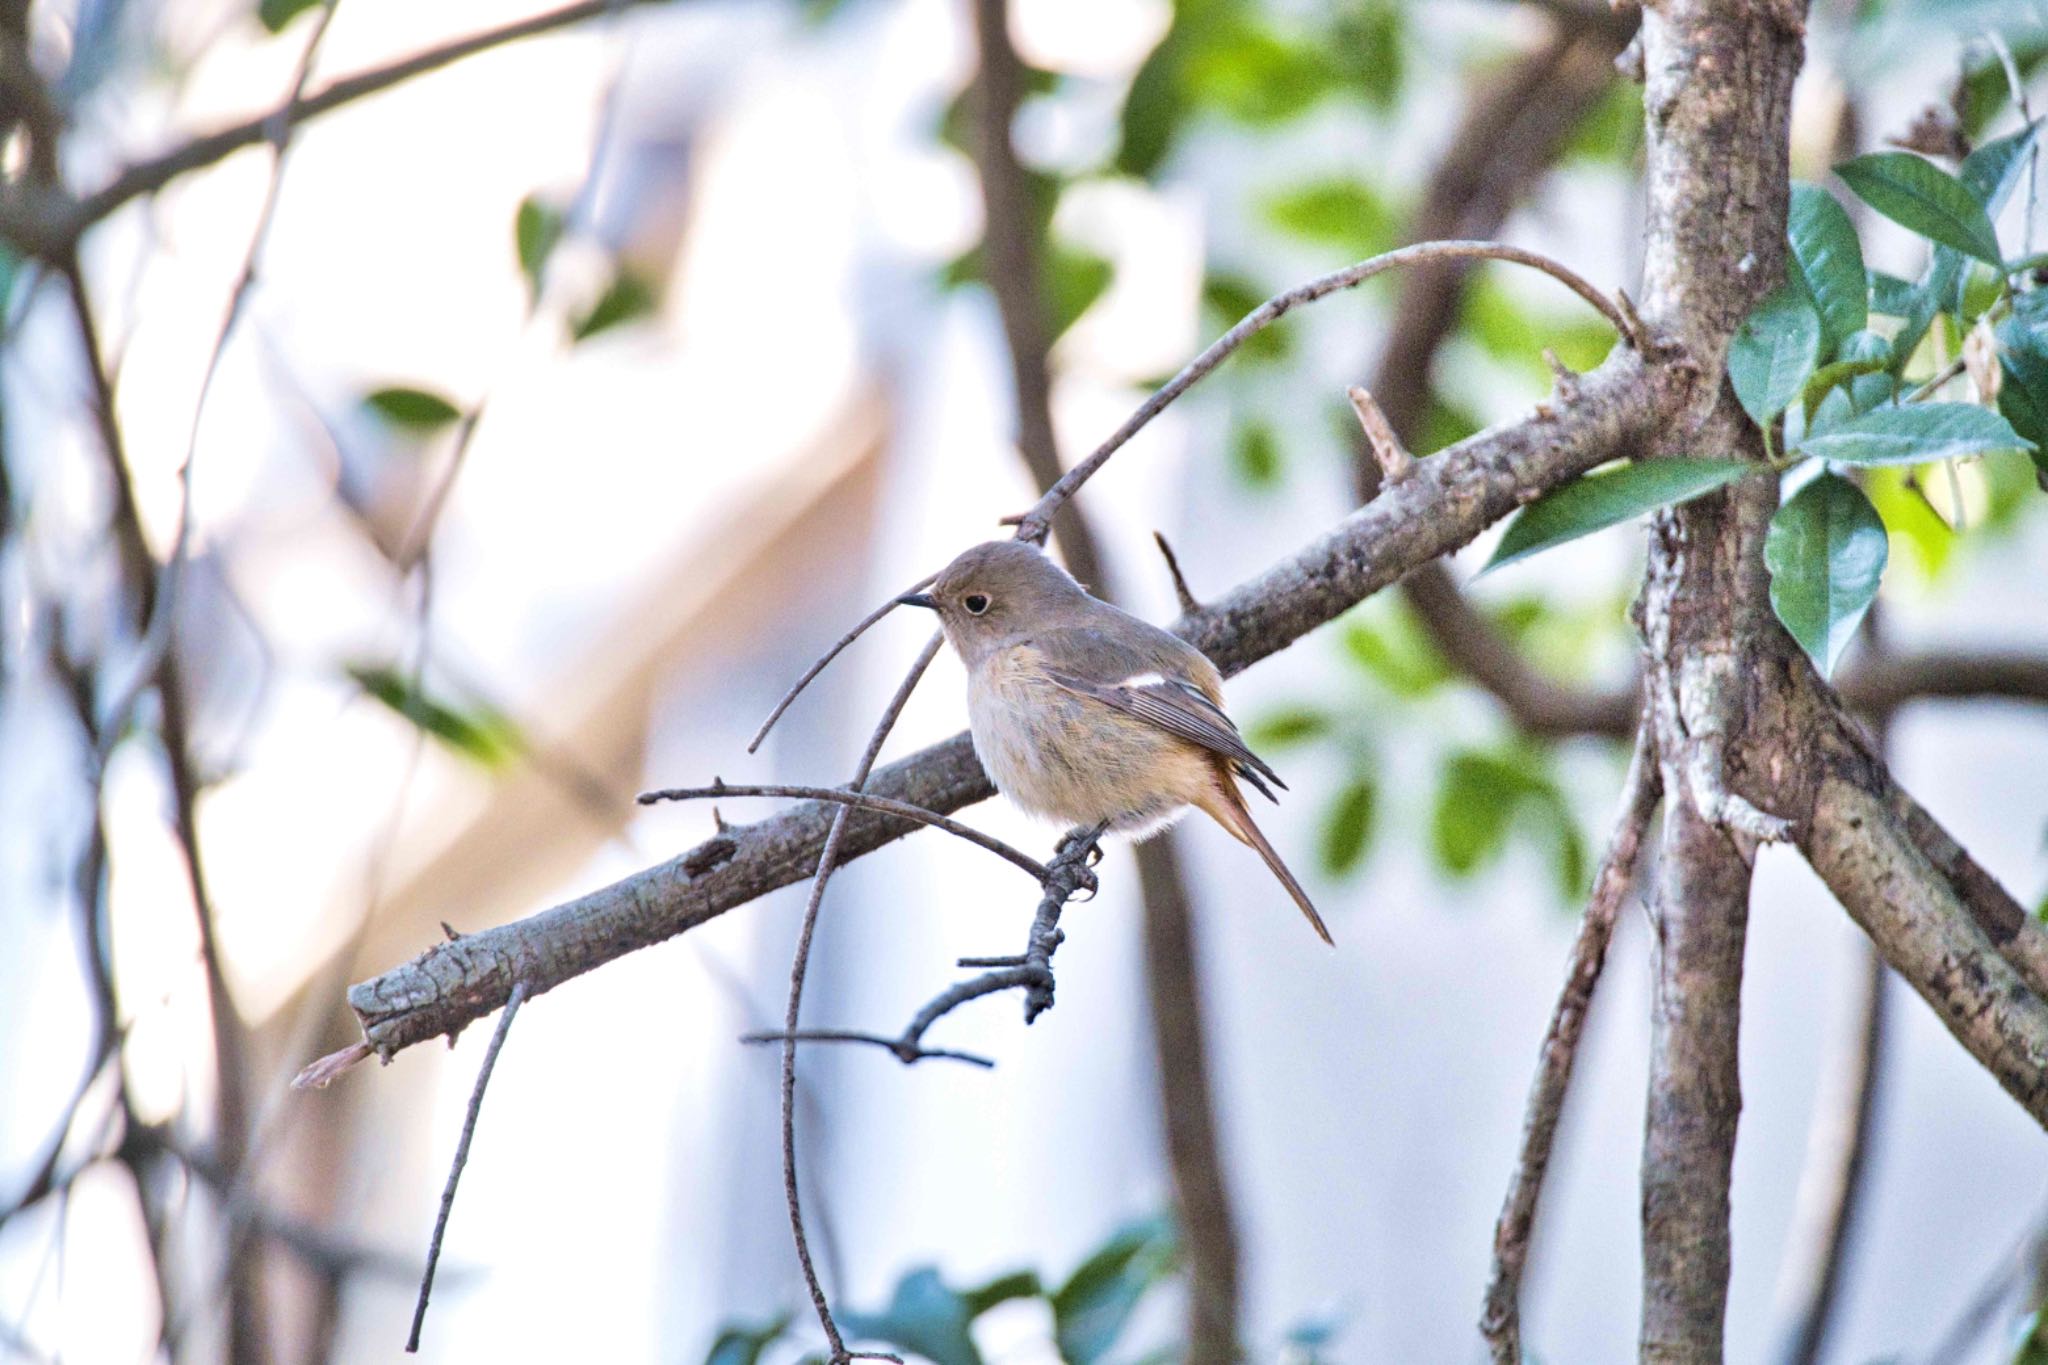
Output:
x,y
1086,714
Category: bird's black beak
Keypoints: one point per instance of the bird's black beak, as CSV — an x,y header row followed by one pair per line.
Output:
x,y
918,599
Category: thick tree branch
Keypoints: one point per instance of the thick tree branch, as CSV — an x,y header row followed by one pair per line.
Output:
x,y
1443,504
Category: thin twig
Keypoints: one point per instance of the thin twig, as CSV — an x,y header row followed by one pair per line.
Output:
x,y
476,1104
1393,457
1501,1322
1189,604
1033,524
1066,876
796,688
828,861
2017,87
156,636
860,801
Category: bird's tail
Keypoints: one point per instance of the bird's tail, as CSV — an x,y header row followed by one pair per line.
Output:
x,y
1227,808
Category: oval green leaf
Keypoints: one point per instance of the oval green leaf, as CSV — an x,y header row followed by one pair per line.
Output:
x,y
1347,827
1992,172
1826,550
413,409
1921,197
1608,499
1774,351
1824,244
1919,433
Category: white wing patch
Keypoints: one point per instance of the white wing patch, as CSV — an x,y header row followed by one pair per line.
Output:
x,y
1142,680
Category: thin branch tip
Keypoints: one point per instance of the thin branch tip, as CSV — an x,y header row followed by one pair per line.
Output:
x,y
1190,605
319,1075
1393,457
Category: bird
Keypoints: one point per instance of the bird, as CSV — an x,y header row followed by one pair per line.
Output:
x,y
1082,713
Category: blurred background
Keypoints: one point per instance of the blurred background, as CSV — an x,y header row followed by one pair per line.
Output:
x,y
440,471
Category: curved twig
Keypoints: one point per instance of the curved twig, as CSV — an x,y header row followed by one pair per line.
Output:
x,y
1033,524
829,655
860,801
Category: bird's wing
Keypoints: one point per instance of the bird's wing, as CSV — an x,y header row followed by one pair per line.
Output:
x,y
1176,706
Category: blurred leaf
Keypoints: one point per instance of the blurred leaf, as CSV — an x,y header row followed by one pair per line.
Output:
x,y
1021,1284
1074,278
1608,498
1287,727
1255,453
275,14
413,409
2023,397
2032,1339
1921,197
1490,314
1993,171
627,299
1154,110
1089,1311
536,231
1826,550
480,734
741,1344
1230,299
1825,249
1396,653
1773,351
923,1316
1919,433
1613,130
1347,827
1366,38
1481,796
1257,76
1346,214
1911,522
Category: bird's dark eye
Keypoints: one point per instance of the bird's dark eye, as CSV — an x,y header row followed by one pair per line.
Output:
x,y
975,603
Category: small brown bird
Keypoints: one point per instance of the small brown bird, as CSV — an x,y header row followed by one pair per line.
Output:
x,y
1086,714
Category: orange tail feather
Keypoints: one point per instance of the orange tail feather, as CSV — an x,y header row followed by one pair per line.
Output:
x,y
1227,808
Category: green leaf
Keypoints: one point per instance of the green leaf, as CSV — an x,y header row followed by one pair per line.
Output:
x,y
1993,171
743,1343
1826,550
626,299
1475,805
1346,214
417,410
1397,653
1919,433
1258,76
1255,453
1891,295
923,1316
1366,43
1609,498
1774,351
1347,827
1839,374
1824,245
1020,1284
480,733
536,230
2023,397
1090,1310
275,14
1920,196
1286,727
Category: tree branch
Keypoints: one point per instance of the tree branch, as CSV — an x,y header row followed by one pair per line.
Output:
x,y
1449,500
48,223
1501,1323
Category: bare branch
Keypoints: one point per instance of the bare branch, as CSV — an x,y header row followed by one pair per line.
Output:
x,y
476,1105
1501,1323
1878,686
864,801
1189,603
48,225
1032,525
1393,457
796,688
828,863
